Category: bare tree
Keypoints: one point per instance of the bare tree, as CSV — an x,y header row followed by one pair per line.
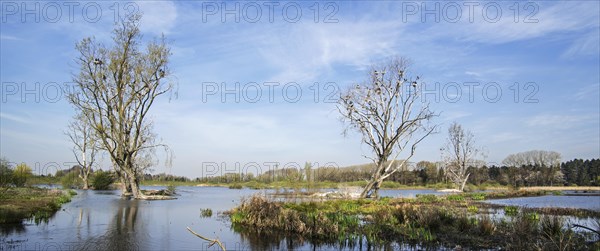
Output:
x,y
534,158
459,153
388,113
548,163
114,90
85,146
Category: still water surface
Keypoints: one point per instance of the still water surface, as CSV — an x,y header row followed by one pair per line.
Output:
x,y
102,220
591,202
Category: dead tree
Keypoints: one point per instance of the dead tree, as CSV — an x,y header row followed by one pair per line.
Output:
x,y
114,90
85,147
459,153
389,114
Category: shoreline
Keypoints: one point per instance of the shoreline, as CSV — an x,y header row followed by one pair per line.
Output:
x,y
558,188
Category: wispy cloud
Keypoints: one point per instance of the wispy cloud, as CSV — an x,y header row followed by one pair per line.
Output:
x,y
15,118
546,18
9,37
588,91
158,16
504,137
308,50
454,115
558,121
586,45
505,52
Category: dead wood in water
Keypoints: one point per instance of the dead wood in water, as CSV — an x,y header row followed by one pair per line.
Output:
x,y
587,228
212,242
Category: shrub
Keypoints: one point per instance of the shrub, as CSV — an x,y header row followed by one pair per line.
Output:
x,y
6,174
427,198
71,181
206,213
487,226
455,197
511,210
478,196
171,189
472,209
102,180
235,186
20,175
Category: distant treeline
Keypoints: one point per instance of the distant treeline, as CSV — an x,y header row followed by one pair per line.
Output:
x,y
575,172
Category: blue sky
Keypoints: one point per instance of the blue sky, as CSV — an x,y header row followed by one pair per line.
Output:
x,y
544,59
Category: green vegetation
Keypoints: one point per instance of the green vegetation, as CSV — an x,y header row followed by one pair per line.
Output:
x,y
20,175
478,196
102,180
71,181
6,173
472,209
424,221
427,198
511,210
38,204
171,189
206,212
427,175
455,197
235,186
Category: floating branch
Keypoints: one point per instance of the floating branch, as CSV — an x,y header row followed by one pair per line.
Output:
x,y
587,228
212,242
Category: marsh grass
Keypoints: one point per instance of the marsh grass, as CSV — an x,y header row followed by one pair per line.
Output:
x,y
206,212
31,203
425,221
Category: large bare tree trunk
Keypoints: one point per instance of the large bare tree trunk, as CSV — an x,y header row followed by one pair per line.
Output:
x,y
86,184
135,188
372,188
132,178
387,110
462,187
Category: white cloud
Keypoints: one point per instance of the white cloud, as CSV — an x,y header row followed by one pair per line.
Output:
x,y
8,37
587,92
504,137
307,50
454,115
587,45
15,118
558,121
472,73
547,19
158,16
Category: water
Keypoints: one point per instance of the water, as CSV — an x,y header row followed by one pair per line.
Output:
x,y
102,220
591,202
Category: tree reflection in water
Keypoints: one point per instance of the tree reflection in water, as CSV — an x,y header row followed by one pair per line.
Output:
x,y
123,232
275,240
